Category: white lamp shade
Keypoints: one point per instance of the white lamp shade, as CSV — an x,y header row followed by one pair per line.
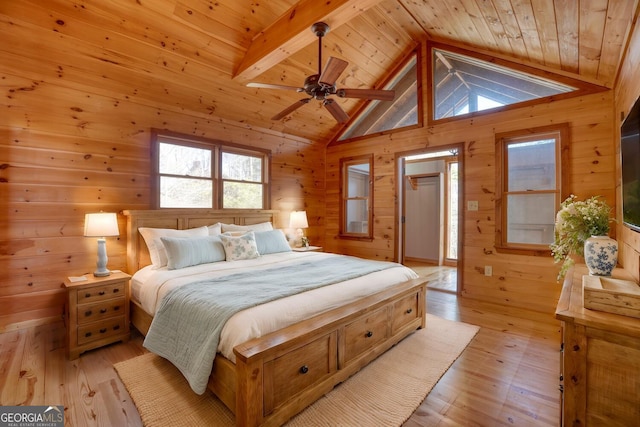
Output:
x,y
298,219
101,224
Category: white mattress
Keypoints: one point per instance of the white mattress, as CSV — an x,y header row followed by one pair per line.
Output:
x,y
149,285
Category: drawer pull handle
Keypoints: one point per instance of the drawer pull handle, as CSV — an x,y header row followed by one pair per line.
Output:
x,y
87,335
116,308
101,293
304,369
87,295
369,334
409,310
103,330
115,328
87,313
103,311
116,290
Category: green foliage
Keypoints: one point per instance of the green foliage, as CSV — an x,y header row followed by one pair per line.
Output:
x,y
576,221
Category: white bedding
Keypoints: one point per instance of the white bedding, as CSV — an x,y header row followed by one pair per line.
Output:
x,y
149,285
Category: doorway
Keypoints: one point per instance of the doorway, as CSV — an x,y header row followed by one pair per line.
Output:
x,y
430,216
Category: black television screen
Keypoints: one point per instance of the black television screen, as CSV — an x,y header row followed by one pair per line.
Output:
x,y
630,150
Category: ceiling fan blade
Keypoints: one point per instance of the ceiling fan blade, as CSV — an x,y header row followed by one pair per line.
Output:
x,y
336,110
332,71
270,86
382,95
290,109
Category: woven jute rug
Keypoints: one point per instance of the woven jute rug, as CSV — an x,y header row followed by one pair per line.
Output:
x,y
384,393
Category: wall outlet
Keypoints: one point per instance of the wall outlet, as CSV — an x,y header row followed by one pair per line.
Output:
x,y
488,270
472,205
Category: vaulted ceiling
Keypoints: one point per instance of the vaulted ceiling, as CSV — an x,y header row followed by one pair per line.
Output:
x,y
198,55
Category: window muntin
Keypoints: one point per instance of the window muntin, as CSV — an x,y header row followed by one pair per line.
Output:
x,y
356,194
529,187
186,174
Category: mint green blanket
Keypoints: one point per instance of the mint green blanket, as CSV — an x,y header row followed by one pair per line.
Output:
x,y
187,325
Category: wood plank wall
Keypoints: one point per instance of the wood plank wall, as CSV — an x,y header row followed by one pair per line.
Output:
x,y
65,151
627,90
518,281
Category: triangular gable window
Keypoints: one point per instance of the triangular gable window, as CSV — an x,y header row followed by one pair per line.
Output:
x,y
463,84
383,116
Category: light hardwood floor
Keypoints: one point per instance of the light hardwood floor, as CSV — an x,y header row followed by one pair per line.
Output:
x,y
508,376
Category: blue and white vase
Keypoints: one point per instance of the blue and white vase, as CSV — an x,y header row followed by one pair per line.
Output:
x,y
600,255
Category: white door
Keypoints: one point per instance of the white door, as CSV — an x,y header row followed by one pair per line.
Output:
x,y
423,220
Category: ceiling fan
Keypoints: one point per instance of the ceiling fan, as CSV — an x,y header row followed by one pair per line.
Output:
x,y
323,85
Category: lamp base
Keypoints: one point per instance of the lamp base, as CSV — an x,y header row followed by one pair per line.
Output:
x,y
102,270
101,273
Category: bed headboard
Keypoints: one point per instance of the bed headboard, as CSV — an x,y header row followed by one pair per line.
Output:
x,y
182,219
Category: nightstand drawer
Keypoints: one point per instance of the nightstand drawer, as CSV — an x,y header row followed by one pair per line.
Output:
x,y
101,293
101,310
100,330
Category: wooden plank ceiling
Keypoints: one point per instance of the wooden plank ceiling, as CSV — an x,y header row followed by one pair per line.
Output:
x,y
198,55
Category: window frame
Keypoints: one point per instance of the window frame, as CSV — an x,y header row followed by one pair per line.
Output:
x,y
217,147
345,163
417,53
561,134
582,88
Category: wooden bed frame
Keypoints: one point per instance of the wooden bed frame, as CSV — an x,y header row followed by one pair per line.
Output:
x,y
278,375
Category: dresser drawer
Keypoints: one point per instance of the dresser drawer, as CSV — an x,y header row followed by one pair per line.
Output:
x,y
100,330
101,293
365,333
101,310
404,311
298,369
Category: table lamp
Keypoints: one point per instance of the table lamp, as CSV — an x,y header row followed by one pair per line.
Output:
x,y
101,225
298,221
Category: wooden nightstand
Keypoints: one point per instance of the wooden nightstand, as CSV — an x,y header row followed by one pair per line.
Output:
x,y
97,312
308,249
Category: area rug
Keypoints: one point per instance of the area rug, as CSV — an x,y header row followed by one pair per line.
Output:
x,y
384,393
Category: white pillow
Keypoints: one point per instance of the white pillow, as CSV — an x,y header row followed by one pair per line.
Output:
x,y
240,247
152,238
215,229
184,252
263,226
271,242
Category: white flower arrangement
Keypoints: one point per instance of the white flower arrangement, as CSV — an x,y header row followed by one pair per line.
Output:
x,y
576,221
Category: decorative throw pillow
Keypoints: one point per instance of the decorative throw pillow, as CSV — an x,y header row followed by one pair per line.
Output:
x,y
152,238
240,247
271,242
263,226
184,252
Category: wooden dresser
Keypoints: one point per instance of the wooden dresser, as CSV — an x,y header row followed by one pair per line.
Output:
x,y
600,363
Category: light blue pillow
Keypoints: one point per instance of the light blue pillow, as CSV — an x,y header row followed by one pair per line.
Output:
x,y
271,242
184,252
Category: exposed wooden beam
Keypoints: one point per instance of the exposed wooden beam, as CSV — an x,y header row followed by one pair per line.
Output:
x,y
292,32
